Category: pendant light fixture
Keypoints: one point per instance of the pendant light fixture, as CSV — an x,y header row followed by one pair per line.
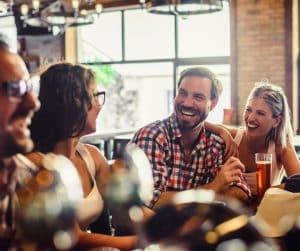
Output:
x,y
182,7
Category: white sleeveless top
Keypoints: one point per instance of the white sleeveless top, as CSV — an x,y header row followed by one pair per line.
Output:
x,y
91,206
277,172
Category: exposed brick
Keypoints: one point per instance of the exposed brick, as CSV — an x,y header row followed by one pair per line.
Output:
x,y
260,44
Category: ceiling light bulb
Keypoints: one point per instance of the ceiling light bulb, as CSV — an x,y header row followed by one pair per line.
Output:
x,y
83,12
75,4
35,4
98,8
24,9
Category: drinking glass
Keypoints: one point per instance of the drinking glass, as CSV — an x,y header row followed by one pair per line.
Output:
x,y
263,172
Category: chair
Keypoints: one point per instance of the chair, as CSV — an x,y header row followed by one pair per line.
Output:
x,y
119,145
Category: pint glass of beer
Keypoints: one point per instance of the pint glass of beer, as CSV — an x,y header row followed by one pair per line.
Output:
x,y
263,172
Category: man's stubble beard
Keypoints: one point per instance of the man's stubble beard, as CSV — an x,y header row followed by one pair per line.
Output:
x,y
11,145
184,127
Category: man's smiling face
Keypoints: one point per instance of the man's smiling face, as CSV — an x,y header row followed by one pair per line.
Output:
x,y
15,111
193,101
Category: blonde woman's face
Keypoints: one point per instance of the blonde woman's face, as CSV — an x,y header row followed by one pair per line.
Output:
x,y
258,118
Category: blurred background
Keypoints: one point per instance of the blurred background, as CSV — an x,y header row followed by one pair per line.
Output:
x,y
137,53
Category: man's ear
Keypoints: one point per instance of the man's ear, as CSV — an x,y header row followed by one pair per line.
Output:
x,y
214,102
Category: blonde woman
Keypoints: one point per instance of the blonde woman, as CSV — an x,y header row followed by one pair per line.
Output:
x,y
267,128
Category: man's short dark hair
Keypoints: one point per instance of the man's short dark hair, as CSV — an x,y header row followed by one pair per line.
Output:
x,y
216,87
4,44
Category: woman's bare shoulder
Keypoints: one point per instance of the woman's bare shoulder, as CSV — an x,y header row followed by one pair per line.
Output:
x,y
97,155
94,150
288,157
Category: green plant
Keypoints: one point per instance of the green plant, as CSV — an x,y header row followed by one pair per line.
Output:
x,y
106,76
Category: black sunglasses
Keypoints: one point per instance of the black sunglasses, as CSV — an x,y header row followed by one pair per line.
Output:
x,y
16,88
100,96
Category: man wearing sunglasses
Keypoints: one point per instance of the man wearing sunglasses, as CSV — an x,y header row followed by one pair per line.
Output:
x,y
17,106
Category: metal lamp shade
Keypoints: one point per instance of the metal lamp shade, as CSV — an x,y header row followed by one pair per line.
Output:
x,y
184,7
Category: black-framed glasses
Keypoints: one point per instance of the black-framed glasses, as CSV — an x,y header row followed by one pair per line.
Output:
x,y
100,97
16,88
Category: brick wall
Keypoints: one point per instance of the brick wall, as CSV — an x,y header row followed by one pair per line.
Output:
x,y
259,47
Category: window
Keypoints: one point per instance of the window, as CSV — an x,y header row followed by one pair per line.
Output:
x,y
137,64
102,40
8,27
148,36
139,94
206,35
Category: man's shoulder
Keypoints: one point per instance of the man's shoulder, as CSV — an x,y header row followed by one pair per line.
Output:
x,y
153,129
24,168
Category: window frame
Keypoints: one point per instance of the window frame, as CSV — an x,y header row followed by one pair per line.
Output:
x,y
176,61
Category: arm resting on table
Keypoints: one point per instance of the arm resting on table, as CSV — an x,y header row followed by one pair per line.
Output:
x,y
233,192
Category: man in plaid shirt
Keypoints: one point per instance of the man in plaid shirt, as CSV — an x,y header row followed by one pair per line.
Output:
x,y
183,153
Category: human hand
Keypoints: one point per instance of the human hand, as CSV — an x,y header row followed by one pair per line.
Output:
x,y
230,172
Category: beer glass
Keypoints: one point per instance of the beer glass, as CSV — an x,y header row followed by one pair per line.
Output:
x,y
263,172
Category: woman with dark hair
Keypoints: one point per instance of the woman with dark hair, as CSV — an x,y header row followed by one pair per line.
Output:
x,y
70,104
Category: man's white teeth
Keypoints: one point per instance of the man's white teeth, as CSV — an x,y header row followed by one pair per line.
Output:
x,y
186,113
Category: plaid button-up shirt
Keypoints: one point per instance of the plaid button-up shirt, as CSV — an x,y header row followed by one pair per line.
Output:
x,y
161,141
14,173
